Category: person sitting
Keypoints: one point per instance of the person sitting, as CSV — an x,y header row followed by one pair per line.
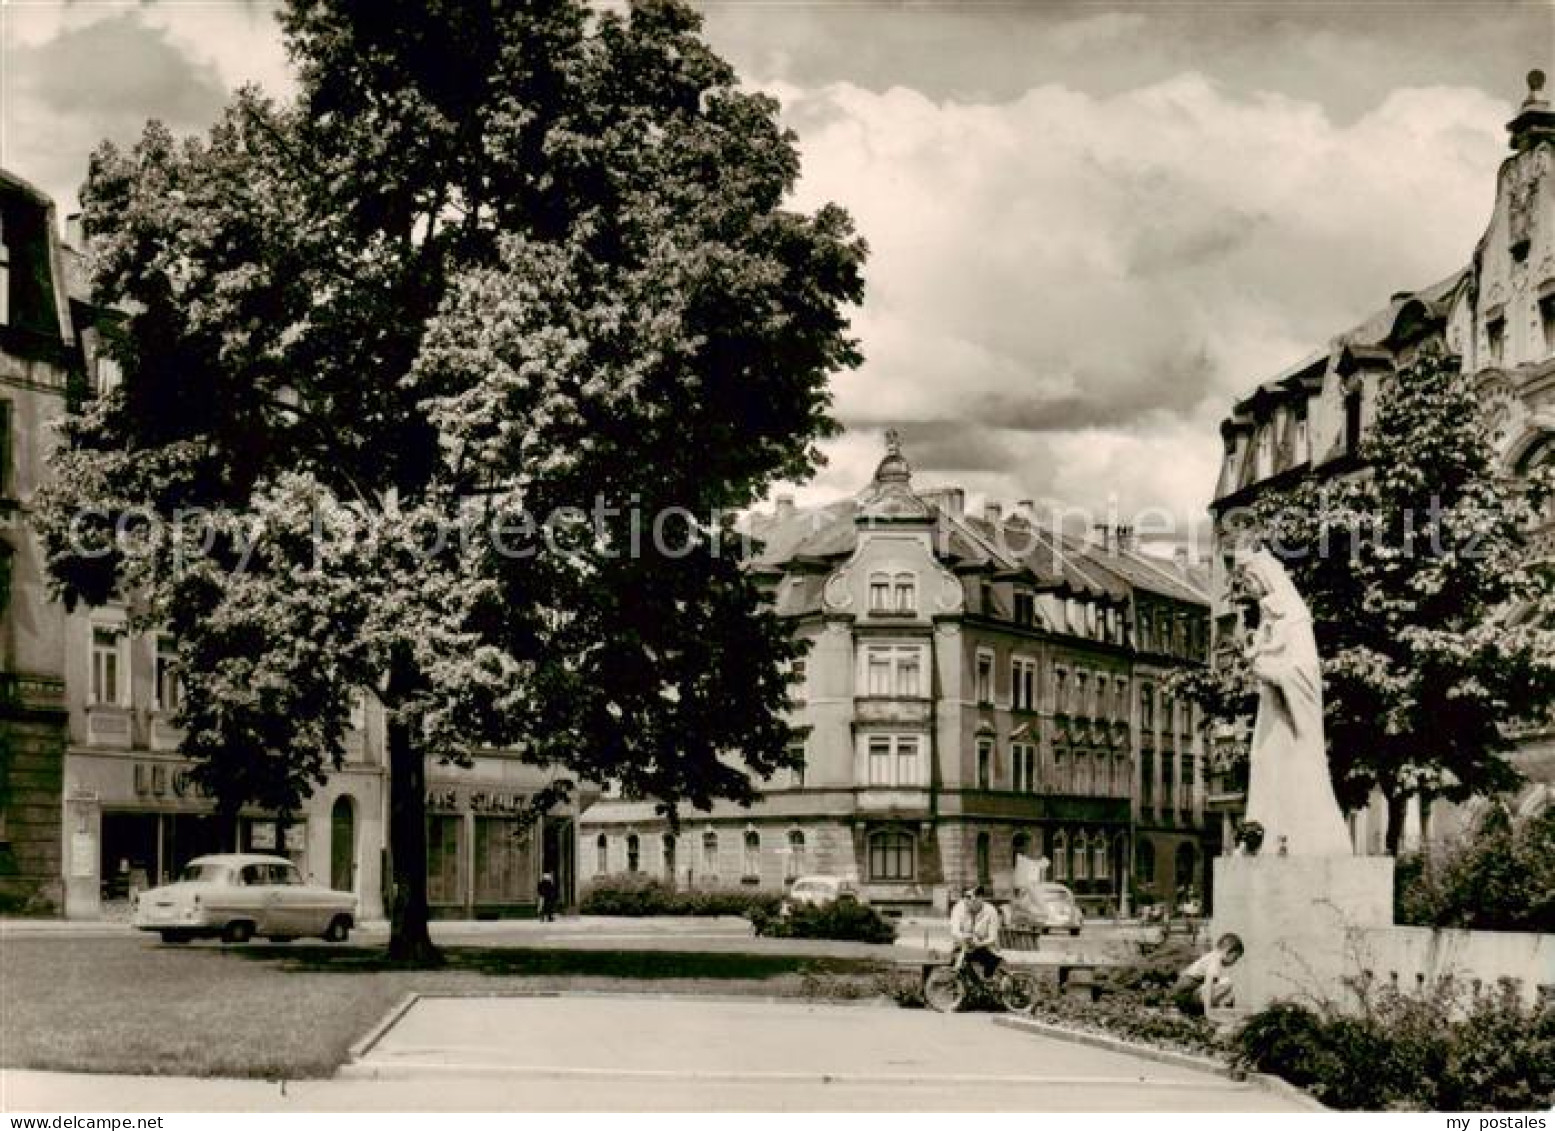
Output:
x,y
1205,985
974,929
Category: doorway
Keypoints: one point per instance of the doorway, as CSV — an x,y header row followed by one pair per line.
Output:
x,y
342,845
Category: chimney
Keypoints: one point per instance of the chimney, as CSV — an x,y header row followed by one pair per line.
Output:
x,y
785,507
1180,559
992,512
75,239
1123,539
1101,536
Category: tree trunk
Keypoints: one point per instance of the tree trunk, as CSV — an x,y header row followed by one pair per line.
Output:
x,y
1398,804
409,939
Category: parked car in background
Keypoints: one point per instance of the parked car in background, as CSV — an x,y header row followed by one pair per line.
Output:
x,y
817,891
236,896
1044,907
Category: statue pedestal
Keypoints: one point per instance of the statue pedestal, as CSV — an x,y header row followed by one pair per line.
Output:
x,y
1295,915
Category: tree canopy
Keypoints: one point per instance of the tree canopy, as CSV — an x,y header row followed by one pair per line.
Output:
x,y
438,379
1432,614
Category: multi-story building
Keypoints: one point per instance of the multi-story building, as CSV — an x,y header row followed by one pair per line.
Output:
x,y
1496,314
95,799
969,695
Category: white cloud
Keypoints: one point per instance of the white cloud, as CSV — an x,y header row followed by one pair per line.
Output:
x,y
1086,282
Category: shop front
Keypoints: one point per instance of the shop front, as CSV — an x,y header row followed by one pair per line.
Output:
x,y
134,821
486,851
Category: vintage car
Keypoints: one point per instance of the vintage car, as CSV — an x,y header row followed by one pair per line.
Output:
x,y
235,897
1044,907
817,891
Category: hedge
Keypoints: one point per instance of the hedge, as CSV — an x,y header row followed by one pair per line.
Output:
x,y
840,919
636,894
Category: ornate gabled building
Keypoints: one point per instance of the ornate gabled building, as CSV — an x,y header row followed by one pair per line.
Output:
x,y
972,692
1496,315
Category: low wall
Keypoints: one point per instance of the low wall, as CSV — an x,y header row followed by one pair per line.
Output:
x,y
1413,958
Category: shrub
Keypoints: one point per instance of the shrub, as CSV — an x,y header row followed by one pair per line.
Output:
x,y
1411,1052
1500,878
635,894
840,919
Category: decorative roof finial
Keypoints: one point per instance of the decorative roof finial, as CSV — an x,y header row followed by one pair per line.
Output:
x,y
894,468
893,442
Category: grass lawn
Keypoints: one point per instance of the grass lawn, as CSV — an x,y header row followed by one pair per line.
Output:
x,y
131,1004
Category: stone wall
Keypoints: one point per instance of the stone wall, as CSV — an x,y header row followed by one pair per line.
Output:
x,y
30,844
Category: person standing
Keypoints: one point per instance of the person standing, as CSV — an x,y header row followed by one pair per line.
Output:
x,y
546,890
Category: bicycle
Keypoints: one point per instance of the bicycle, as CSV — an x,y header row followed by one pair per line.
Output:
x,y
956,985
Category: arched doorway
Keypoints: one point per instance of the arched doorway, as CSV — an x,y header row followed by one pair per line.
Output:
x,y
342,845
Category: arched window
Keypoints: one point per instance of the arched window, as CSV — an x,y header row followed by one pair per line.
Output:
x,y
906,593
1020,845
984,865
1060,856
601,854
710,853
752,863
891,855
633,852
879,593
1144,862
1080,865
1100,859
795,865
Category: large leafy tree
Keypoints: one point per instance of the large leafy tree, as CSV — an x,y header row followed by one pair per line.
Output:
x,y
1432,617
437,379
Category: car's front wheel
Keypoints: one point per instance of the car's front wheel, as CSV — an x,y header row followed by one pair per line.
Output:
x,y
237,931
339,929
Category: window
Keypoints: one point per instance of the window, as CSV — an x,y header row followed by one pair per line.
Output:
x,y
879,593
601,855
984,677
1060,857
1189,777
1495,334
7,443
633,853
1023,674
1023,759
667,843
893,760
5,281
710,853
108,666
1081,869
985,763
906,592
1120,774
1120,710
1547,320
797,673
1168,779
1147,778
795,865
751,865
1100,866
895,672
1352,420
1060,769
169,688
1082,692
1144,863
1025,607
445,859
1060,691
1146,707
1082,771
984,865
796,751
891,856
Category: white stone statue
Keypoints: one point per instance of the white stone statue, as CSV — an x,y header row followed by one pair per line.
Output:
x,y
1289,790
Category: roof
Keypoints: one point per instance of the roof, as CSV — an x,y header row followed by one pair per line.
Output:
x,y
1141,571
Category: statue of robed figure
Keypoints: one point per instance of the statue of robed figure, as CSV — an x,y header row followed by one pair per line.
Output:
x,y
1289,790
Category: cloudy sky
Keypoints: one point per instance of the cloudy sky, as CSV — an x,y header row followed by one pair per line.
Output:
x,y
1092,225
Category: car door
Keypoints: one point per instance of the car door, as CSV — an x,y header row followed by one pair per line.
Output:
x,y
306,906
249,896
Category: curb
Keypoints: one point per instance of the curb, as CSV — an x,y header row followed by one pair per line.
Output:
x,y
364,1044
1162,1056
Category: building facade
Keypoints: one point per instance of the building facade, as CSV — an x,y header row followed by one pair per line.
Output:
x,y
96,801
1496,315
970,694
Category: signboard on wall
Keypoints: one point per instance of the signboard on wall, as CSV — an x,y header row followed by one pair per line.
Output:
x,y
83,855
261,836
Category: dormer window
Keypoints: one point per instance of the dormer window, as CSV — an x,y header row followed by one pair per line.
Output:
x,y
879,593
1025,607
906,592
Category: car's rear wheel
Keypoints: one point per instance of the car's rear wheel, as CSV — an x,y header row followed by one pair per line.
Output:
x,y
945,990
174,936
1075,931
339,929
237,931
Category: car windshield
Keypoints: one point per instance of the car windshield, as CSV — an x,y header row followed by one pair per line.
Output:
x,y
203,872
1052,894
